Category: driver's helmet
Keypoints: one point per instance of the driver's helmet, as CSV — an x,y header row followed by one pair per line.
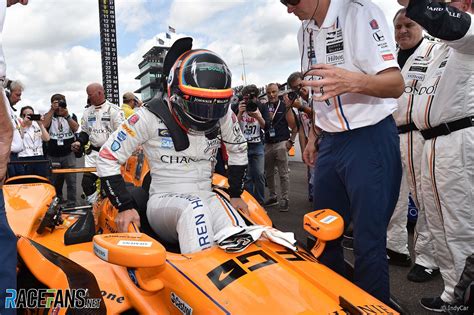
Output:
x,y
199,90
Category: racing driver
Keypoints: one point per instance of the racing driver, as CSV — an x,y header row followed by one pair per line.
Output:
x,y
195,111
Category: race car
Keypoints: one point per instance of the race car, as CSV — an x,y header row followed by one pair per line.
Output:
x,y
81,265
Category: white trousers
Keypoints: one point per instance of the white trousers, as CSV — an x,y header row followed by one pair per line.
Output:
x,y
191,218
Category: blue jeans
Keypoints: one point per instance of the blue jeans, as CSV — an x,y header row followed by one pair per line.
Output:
x,y
358,174
255,181
7,258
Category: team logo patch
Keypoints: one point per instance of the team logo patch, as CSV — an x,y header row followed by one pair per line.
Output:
x,y
166,143
164,133
121,136
91,118
106,154
374,25
129,130
132,120
388,57
115,146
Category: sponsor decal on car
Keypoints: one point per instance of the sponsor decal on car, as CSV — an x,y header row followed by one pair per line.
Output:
x,y
180,304
134,243
328,219
101,252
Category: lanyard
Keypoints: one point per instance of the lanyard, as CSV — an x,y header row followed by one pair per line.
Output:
x,y
276,110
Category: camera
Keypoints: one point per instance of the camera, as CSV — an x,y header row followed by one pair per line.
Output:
x,y
36,117
62,103
292,95
251,105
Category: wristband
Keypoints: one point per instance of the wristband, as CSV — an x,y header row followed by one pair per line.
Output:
x,y
291,141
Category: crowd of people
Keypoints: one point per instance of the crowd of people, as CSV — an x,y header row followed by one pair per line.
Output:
x,y
378,118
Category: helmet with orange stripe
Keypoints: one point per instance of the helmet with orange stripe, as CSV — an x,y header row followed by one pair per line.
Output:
x,y
199,90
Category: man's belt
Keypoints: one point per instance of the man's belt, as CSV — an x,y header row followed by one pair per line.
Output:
x,y
447,128
407,128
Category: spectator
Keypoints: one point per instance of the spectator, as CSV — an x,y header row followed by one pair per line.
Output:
x,y
14,96
7,237
299,101
253,118
98,122
33,134
415,56
130,104
62,126
358,167
446,123
277,144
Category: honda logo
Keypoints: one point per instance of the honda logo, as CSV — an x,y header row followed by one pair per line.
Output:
x,y
378,36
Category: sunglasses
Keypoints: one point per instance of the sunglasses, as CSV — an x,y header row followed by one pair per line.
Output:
x,y
292,2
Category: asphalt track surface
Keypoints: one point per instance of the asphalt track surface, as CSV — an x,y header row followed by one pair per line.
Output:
x,y
407,293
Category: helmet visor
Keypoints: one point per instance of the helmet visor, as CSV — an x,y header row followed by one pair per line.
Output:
x,y
203,108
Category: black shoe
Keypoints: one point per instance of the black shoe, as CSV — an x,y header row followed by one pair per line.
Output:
x,y
419,273
434,304
398,259
271,202
284,205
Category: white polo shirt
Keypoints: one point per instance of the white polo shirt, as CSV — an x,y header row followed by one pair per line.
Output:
x,y
354,36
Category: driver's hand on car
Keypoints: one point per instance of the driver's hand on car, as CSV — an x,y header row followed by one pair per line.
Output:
x,y
241,205
124,218
76,146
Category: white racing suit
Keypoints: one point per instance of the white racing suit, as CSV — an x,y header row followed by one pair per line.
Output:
x,y
182,206
411,149
97,124
447,174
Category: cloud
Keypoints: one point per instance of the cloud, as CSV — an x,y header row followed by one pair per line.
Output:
x,y
55,48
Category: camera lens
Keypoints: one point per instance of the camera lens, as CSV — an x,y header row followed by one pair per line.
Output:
x,y
292,96
251,106
62,103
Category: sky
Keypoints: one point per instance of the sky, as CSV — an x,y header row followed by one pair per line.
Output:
x,y
53,46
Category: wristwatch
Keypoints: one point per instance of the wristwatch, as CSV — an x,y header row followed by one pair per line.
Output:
x,y
67,117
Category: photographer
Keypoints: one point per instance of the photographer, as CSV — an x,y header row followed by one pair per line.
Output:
x,y
62,126
277,144
253,117
33,134
13,93
298,99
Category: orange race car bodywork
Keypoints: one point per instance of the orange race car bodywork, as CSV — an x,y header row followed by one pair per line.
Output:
x,y
265,278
